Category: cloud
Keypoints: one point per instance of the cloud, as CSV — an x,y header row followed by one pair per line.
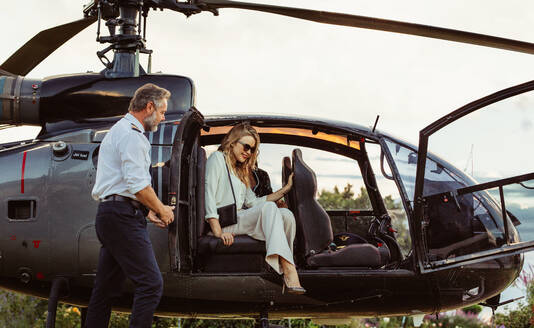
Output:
x,y
526,124
339,176
329,159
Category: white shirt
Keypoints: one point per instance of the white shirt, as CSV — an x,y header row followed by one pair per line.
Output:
x,y
123,160
218,192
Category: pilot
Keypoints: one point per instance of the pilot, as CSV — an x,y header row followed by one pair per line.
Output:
x,y
123,187
262,219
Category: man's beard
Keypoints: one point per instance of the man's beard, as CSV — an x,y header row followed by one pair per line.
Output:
x,y
150,123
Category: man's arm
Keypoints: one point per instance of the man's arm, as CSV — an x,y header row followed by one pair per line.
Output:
x,y
148,197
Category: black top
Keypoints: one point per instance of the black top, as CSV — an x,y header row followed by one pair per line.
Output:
x,y
263,183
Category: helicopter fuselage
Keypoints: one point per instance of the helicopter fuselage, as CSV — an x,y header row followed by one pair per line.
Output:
x,y
48,224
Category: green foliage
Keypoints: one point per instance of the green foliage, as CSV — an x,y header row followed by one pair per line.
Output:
x,y
346,199
523,316
66,317
520,318
18,310
430,321
332,200
473,309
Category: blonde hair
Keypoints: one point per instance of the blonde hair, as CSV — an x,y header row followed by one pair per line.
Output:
x,y
241,170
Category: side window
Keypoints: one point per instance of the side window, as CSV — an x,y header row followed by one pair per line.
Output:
x,y
406,163
340,185
392,198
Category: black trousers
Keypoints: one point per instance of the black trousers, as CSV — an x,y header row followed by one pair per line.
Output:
x,y
126,252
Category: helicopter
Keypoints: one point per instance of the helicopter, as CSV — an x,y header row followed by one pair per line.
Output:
x,y
465,247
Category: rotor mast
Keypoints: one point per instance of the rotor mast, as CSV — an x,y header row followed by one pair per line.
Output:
x,y
128,43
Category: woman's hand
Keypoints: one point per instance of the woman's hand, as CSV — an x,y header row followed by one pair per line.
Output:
x,y
289,184
281,203
281,192
227,238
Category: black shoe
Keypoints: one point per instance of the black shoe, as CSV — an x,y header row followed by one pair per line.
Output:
x,y
292,290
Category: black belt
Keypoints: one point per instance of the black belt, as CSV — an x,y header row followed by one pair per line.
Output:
x,y
119,198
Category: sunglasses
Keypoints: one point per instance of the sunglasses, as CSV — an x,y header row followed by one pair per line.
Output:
x,y
247,147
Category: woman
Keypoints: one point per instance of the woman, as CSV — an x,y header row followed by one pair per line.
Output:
x,y
261,219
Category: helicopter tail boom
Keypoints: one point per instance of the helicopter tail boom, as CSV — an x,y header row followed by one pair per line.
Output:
x,y
19,100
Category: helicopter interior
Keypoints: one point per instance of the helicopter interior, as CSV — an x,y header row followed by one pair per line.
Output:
x,y
325,239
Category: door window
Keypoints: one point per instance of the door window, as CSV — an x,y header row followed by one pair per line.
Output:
x,y
460,221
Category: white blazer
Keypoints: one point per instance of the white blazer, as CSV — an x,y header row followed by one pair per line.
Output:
x,y
218,192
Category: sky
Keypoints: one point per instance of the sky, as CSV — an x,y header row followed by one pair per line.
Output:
x,y
244,61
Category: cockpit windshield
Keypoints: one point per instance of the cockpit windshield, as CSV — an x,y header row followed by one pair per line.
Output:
x,y
437,177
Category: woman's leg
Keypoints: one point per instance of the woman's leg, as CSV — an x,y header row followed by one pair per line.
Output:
x,y
272,226
290,227
290,273
277,228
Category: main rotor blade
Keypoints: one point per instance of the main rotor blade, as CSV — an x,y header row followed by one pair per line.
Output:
x,y
380,24
42,45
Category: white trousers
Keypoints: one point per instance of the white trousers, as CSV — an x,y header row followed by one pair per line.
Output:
x,y
276,226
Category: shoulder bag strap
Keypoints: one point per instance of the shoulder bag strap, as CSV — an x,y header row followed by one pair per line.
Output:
x,y
229,178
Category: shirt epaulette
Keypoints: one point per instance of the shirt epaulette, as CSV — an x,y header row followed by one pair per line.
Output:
x,y
134,127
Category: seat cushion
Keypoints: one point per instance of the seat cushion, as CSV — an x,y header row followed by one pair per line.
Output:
x,y
226,263
356,255
242,244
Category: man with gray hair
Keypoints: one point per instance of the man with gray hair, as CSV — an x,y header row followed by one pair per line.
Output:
x,y
123,188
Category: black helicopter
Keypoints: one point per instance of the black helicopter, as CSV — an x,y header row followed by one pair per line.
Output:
x,y
465,247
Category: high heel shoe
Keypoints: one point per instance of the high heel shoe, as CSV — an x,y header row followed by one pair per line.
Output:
x,y
291,290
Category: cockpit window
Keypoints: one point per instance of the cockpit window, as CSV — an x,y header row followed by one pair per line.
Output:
x,y
437,177
406,162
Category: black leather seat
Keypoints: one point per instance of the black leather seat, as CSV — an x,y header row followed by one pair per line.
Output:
x,y
314,224
291,205
311,218
244,255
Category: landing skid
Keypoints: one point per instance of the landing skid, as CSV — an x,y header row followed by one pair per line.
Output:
x,y
59,285
263,321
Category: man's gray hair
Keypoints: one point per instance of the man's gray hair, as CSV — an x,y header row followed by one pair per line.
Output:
x,y
148,93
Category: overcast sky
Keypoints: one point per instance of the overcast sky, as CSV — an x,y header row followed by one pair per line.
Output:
x,y
244,61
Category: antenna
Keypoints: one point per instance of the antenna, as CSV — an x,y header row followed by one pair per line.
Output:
x,y
470,159
376,122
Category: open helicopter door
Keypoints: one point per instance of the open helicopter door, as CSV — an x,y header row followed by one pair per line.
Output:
x,y
180,190
456,221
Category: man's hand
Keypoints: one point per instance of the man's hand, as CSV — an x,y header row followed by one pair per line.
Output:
x,y
152,217
148,197
227,238
166,215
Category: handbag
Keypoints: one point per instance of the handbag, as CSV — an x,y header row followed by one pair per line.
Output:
x,y
228,213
